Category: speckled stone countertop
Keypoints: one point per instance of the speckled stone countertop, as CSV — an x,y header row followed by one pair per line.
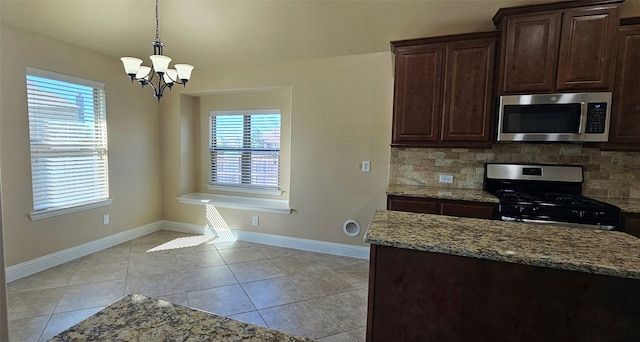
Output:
x,y
139,318
472,195
567,248
627,205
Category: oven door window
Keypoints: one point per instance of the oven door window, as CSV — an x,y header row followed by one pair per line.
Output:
x,y
541,118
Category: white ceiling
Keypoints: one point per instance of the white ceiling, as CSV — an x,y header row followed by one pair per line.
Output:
x,y
217,33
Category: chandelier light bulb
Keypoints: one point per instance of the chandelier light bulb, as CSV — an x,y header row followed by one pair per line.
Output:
x,y
131,65
184,71
170,76
160,63
143,73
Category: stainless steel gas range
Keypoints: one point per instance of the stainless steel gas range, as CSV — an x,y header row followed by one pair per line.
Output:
x,y
550,194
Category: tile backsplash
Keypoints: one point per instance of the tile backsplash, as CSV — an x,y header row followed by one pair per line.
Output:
x,y
606,173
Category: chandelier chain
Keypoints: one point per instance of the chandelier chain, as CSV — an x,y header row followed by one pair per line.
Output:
x,y
157,23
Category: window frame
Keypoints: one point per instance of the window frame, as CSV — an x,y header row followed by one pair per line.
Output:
x,y
97,146
243,188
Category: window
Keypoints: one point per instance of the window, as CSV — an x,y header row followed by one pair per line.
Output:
x,y
68,138
245,148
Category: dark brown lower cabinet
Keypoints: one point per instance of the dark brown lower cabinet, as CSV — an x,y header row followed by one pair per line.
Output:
x,y
442,207
631,224
423,296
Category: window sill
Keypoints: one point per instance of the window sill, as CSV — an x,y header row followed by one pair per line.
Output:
x,y
39,215
237,202
247,190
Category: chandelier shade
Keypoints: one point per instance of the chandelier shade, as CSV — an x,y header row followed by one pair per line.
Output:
x,y
165,77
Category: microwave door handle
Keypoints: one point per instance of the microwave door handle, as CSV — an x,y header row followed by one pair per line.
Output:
x,y
583,118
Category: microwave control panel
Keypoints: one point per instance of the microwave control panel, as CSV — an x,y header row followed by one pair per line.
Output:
x,y
596,115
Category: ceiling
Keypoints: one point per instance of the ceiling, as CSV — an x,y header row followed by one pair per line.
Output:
x,y
217,33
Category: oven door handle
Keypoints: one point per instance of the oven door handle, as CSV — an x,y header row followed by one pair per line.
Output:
x,y
570,224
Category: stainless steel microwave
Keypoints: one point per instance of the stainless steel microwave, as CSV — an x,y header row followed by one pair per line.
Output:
x,y
570,117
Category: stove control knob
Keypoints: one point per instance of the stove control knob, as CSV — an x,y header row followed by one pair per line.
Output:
x,y
535,209
520,208
581,213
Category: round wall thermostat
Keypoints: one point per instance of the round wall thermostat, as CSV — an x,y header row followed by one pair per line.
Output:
x,y
351,228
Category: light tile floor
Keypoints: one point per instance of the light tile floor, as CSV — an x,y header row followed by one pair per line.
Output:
x,y
314,295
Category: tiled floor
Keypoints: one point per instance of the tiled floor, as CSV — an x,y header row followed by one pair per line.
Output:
x,y
315,295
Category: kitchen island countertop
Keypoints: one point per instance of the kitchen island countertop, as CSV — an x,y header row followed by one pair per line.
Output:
x,y
584,250
139,318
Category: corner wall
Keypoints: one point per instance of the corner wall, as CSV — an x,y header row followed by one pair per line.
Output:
x,y
134,154
4,328
341,111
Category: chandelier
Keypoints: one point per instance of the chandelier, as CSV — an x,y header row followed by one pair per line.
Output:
x,y
165,77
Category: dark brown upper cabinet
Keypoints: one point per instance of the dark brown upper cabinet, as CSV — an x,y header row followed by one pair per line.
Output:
x,y
558,47
624,131
443,91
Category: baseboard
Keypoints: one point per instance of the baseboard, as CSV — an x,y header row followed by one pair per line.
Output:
x,y
279,240
45,262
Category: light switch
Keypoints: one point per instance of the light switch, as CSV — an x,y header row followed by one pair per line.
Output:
x,y
366,166
446,178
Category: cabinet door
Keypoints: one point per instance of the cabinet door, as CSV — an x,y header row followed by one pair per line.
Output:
x,y
468,96
631,224
417,96
468,209
411,204
588,49
624,132
529,53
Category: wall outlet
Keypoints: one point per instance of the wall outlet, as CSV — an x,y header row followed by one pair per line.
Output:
x,y
105,219
366,166
446,178
255,221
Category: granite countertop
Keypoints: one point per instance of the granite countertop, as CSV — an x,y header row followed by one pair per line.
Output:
x,y
473,195
567,248
139,318
627,205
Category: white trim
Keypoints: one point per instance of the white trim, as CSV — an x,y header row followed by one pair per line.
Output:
x,y
237,202
244,190
245,111
360,252
34,266
64,77
30,267
39,215
182,227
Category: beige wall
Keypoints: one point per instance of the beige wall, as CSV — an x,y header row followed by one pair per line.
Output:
x,y
340,115
4,328
134,153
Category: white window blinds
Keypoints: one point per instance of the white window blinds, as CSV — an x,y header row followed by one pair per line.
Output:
x,y
68,134
245,148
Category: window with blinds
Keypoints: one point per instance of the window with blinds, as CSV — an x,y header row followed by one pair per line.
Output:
x,y
245,148
68,134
